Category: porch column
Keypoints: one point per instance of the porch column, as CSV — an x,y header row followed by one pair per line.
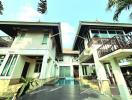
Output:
x,y
52,69
57,70
71,71
44,65
80,71
101,74
124,93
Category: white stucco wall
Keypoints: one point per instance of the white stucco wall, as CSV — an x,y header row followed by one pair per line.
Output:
x,y
31,40
67,61
20,65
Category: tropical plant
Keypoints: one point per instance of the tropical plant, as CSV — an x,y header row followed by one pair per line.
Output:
x,y
25,86
1,7
120,5
42,7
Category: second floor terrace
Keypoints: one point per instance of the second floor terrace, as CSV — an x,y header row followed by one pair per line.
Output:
x,y
90,33
115,43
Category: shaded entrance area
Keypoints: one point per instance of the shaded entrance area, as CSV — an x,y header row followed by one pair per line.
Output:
x,y
25,69
76,71
127,73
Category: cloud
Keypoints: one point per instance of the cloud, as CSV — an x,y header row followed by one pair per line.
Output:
x,y
28,13
68,32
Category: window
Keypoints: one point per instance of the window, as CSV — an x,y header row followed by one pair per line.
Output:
x,y
84,68
112,33
45,39
9,65
75,58
12,65
95,33
38,66
22,34
60,58
119,32
103,34
1,59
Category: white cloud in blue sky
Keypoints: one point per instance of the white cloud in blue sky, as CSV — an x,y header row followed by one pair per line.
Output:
x,y
68,12
67,34
28,13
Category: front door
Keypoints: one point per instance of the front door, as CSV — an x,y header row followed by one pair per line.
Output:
x,y
25,69
76,71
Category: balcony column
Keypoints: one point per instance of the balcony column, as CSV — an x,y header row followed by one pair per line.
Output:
x,y
71,71
101,73
124,93
80,71
44,67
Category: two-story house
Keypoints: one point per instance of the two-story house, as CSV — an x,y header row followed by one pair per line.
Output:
x,y
107,44
32,53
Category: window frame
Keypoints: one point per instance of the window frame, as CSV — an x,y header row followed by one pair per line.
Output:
x,y
45,40
37,69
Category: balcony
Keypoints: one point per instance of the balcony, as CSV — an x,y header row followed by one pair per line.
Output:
x,y
96,40
115,43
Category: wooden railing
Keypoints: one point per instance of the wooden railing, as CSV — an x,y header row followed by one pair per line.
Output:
x,y
115,43
97,41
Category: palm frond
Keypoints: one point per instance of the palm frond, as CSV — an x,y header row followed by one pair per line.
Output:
x,y
111,3
42,6
120,6
1,8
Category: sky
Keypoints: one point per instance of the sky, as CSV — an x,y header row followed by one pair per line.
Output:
x,y
67,12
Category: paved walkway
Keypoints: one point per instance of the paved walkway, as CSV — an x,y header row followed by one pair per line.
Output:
x,y
65,93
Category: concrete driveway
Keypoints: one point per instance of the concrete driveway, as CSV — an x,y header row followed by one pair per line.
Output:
x,y
69,92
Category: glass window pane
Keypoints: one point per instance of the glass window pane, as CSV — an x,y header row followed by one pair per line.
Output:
x,y
1,59
95,33
45,38
119,32
6,66
22,34
103,34
112,33
64,71
12,65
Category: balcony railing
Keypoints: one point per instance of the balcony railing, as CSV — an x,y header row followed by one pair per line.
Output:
x,y
96,40
115,43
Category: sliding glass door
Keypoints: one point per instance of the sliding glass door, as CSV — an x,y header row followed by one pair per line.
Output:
x,y
7,70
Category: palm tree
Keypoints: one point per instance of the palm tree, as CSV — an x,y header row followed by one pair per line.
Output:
x,y
1,7
42,7
120,5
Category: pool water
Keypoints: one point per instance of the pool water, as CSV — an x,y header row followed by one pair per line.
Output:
x,y
65,81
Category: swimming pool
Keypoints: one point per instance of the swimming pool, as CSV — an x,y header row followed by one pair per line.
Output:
x,y
67,81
